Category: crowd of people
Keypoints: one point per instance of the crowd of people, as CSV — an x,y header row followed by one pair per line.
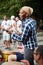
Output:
x,y
9,27
22,30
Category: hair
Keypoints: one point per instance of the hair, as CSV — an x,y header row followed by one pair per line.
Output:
x,y
40,50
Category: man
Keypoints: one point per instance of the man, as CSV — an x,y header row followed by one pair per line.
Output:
x,y
19,25
38,56
6,37
13,26
28,36
12,20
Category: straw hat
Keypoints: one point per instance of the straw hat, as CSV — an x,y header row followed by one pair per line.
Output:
x,y
28,10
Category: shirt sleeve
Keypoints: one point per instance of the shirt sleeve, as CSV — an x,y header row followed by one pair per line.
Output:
x,y
24,34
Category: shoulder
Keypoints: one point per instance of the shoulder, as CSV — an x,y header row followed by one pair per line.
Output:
x,y
3,22
31,21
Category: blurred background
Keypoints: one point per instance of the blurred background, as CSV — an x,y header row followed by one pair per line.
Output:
x,y
12,7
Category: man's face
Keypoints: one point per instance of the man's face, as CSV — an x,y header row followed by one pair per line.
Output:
x,y
5,18
22,14
36,55
17,19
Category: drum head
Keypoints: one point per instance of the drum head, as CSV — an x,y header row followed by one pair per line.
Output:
x,y
7,52
12,63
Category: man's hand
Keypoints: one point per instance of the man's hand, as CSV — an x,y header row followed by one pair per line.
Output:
x,y
26,62
9,32
19,47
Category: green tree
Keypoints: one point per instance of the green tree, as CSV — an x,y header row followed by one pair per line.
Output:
x,y
12,7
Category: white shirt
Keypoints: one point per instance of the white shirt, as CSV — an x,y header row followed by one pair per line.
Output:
x,y
19,23
5,24
19,26
13,26
12,22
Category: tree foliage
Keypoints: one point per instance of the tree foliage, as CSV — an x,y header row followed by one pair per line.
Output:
x,y
12,7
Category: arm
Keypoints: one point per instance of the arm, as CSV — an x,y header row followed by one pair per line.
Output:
x,y
23,36
19,47
19,30
26,62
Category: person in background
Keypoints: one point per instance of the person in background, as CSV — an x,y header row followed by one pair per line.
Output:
x,y
28,36
12,20
12,27
6,37
13,24
19,25
38,56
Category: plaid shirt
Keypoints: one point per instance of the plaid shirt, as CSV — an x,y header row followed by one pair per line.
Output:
x,y
28,37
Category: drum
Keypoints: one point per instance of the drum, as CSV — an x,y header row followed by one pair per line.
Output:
x,y
12,63
6,53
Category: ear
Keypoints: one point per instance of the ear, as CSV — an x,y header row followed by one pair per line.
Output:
x,y
27,15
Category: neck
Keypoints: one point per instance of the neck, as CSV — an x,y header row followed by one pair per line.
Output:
x,y
27,17
5,20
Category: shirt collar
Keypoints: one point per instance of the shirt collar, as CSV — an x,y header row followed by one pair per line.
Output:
x,y
26,20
